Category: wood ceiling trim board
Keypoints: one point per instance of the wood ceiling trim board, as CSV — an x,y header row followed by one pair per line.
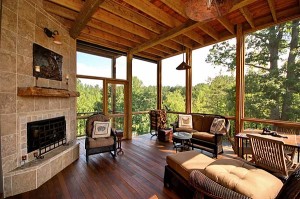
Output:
x,y
85,14
148,8
166,36
210,31
227,24
273,10
176,6
248,16
132,16
110,18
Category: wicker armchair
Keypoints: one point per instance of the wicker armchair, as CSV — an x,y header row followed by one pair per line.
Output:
x,y
102,144
269,154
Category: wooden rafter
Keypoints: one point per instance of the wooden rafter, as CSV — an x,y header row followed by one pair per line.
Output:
x,y
248,16
166,36
194,36
241,4
132,16
272,8
153,11
175,5
87,11
227,24
210,31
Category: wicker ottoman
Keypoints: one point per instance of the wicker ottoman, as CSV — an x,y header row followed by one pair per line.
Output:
x,y
165,135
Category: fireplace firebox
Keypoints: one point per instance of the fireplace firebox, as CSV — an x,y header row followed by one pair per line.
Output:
x,y
45,135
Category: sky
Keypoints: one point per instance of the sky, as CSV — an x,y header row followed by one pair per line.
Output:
x,y
99,66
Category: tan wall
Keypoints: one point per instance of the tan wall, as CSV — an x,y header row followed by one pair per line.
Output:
x,y
23,22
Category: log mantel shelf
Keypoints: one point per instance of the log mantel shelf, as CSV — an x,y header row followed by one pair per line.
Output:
x,y
45,92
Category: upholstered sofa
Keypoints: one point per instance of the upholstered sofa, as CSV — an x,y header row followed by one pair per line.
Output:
x,y
194,175
200,128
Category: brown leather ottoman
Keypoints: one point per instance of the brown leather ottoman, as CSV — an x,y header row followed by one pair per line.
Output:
x,y
165,135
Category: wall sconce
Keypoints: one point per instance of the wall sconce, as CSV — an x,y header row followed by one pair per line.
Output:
x,y
55,35
37,69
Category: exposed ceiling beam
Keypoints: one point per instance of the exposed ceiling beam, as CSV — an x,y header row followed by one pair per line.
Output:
x,y
272,8
227,24
248,16
167,35
87,11
210,31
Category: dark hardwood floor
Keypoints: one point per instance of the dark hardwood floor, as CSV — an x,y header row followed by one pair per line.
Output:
x,y
138,173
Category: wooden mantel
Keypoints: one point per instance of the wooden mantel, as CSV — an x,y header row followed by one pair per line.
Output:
x,y
46,92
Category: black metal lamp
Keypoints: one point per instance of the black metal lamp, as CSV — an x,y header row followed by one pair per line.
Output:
x,y
55,35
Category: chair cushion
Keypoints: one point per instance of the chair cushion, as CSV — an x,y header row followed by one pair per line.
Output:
x,y
204,136
244,178
100,142
185,162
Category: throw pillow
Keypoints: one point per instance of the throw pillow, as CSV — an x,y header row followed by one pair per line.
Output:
x,y
218,125
185,121
101,129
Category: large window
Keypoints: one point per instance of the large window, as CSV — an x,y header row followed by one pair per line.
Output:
x,y
93,65
213,79
272,73
173,84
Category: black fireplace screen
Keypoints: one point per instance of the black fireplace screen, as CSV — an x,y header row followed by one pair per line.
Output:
x,y
46,135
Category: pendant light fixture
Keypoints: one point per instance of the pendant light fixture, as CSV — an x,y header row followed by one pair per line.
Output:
x,y
183,65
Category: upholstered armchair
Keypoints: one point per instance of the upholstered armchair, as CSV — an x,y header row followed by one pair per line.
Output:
x,y
99,144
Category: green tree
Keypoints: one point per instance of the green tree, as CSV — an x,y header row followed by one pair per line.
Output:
x,y
272,78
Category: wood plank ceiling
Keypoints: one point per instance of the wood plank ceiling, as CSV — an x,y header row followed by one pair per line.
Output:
x,y
157,29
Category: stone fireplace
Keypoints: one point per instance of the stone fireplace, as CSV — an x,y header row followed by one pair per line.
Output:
x,y
23,24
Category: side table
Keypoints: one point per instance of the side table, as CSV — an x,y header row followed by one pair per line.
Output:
x,y
119,134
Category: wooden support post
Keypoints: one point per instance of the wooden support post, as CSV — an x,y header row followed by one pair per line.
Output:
x,y
113,88
188,82
159,85
240,86
105,97
128,117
